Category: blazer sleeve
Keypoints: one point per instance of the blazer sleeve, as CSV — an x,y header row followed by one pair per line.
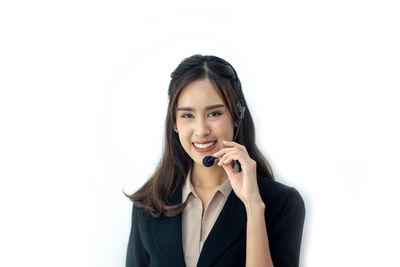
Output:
x,y
136,255
285,232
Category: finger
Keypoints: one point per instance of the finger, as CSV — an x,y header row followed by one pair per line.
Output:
x,y
245,162
228,157
234,144
223,151
229,170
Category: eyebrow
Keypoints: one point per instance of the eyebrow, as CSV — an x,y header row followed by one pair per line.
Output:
x,y
207,108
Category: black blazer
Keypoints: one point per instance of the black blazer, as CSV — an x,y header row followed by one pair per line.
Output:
x,y
158,241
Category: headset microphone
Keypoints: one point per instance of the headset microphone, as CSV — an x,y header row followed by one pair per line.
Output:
x,y
208,161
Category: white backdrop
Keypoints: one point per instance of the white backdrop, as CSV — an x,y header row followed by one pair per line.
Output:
x,y
83,97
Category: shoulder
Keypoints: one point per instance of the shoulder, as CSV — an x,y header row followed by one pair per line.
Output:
x,y
280,198
284,219
139,215
272,189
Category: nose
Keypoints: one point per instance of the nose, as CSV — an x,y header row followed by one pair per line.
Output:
x,y
202,128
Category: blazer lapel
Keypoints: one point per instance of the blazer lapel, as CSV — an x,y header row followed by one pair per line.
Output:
x,y
167,234
230,223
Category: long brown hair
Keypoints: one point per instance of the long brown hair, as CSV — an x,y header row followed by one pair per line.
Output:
x,y
175,163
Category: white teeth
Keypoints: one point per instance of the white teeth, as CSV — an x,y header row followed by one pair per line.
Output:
x,y
203,145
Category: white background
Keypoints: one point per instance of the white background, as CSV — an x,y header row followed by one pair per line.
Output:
x,y
83,97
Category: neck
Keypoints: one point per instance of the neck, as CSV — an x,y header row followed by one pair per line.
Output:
x,y
207,177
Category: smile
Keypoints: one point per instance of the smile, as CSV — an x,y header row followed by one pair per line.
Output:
x,y
204,145
202,148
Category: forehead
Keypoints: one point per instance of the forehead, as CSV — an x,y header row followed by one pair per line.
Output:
x,y
199,94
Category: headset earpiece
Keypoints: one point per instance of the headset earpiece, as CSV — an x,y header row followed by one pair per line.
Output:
x,y
241,110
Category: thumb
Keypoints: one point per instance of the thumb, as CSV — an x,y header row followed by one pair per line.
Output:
x,y
228,169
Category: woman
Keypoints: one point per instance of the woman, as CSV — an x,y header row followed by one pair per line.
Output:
x,y
231,213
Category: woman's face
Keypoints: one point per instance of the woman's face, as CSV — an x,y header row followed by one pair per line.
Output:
x,y
202,119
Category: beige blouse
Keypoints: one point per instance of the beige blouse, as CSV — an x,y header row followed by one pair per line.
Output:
x,y
195,226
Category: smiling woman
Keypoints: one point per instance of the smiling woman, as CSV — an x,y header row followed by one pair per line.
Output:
x,y
189,214
203,131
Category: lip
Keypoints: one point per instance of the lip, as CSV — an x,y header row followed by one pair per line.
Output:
x,y
205,142
204,150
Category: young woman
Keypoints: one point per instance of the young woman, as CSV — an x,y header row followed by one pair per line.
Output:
x,y
231,213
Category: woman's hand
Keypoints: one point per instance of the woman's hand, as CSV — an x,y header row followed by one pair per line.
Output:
x,y
244,183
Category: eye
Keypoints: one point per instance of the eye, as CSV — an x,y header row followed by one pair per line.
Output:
x,y
216,113
185,115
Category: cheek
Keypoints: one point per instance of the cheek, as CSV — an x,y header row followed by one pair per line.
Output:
x,y
224,126
185,133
